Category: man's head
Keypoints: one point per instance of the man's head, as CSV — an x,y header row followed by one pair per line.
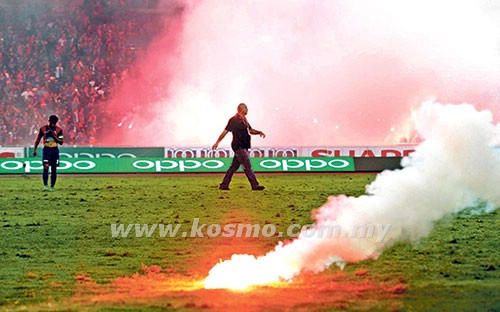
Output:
x,y
242,109
53,119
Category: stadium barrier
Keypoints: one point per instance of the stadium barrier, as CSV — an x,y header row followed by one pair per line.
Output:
x,y
104,152
178,165
11,152
207,152
377,164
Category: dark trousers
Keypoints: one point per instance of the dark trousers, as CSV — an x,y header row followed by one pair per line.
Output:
x,y
50,157
240,158
53,175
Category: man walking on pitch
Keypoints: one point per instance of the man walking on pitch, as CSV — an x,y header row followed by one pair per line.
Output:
x,y
241,129
52,137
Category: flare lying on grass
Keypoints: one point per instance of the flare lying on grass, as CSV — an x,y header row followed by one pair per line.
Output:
x,y
456,166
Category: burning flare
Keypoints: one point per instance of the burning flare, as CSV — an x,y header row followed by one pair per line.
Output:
x,y
456,167
243,271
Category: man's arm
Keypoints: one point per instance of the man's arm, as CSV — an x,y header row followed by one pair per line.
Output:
x,y
221,136
257,132
60,138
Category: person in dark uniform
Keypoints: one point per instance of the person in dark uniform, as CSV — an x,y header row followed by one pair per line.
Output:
x,y
241,129
52,137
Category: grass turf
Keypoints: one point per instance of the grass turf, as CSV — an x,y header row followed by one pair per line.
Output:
x,y
52,241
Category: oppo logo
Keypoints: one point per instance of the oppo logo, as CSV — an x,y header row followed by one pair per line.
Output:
x,y
181,165
307,164
13,165
96,155
273,152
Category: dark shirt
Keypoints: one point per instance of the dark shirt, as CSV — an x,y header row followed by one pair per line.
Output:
x,y
44,133
239,127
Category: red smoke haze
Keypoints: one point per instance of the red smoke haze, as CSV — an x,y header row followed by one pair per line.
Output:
x,y
312,73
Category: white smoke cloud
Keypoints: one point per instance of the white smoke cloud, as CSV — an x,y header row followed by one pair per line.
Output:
x,y
454,168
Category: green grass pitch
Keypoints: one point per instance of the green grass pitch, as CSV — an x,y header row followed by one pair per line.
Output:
x,y
57,251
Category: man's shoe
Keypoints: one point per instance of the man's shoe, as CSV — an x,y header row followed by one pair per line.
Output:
x,y
258,188
223,188
51,188
45,188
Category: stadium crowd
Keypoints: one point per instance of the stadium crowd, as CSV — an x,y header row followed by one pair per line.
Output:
x,y
65,57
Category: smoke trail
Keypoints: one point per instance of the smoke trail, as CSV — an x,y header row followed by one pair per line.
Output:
x,y
312,72
454,168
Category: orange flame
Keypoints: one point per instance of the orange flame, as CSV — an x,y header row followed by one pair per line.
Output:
x,y
243,271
